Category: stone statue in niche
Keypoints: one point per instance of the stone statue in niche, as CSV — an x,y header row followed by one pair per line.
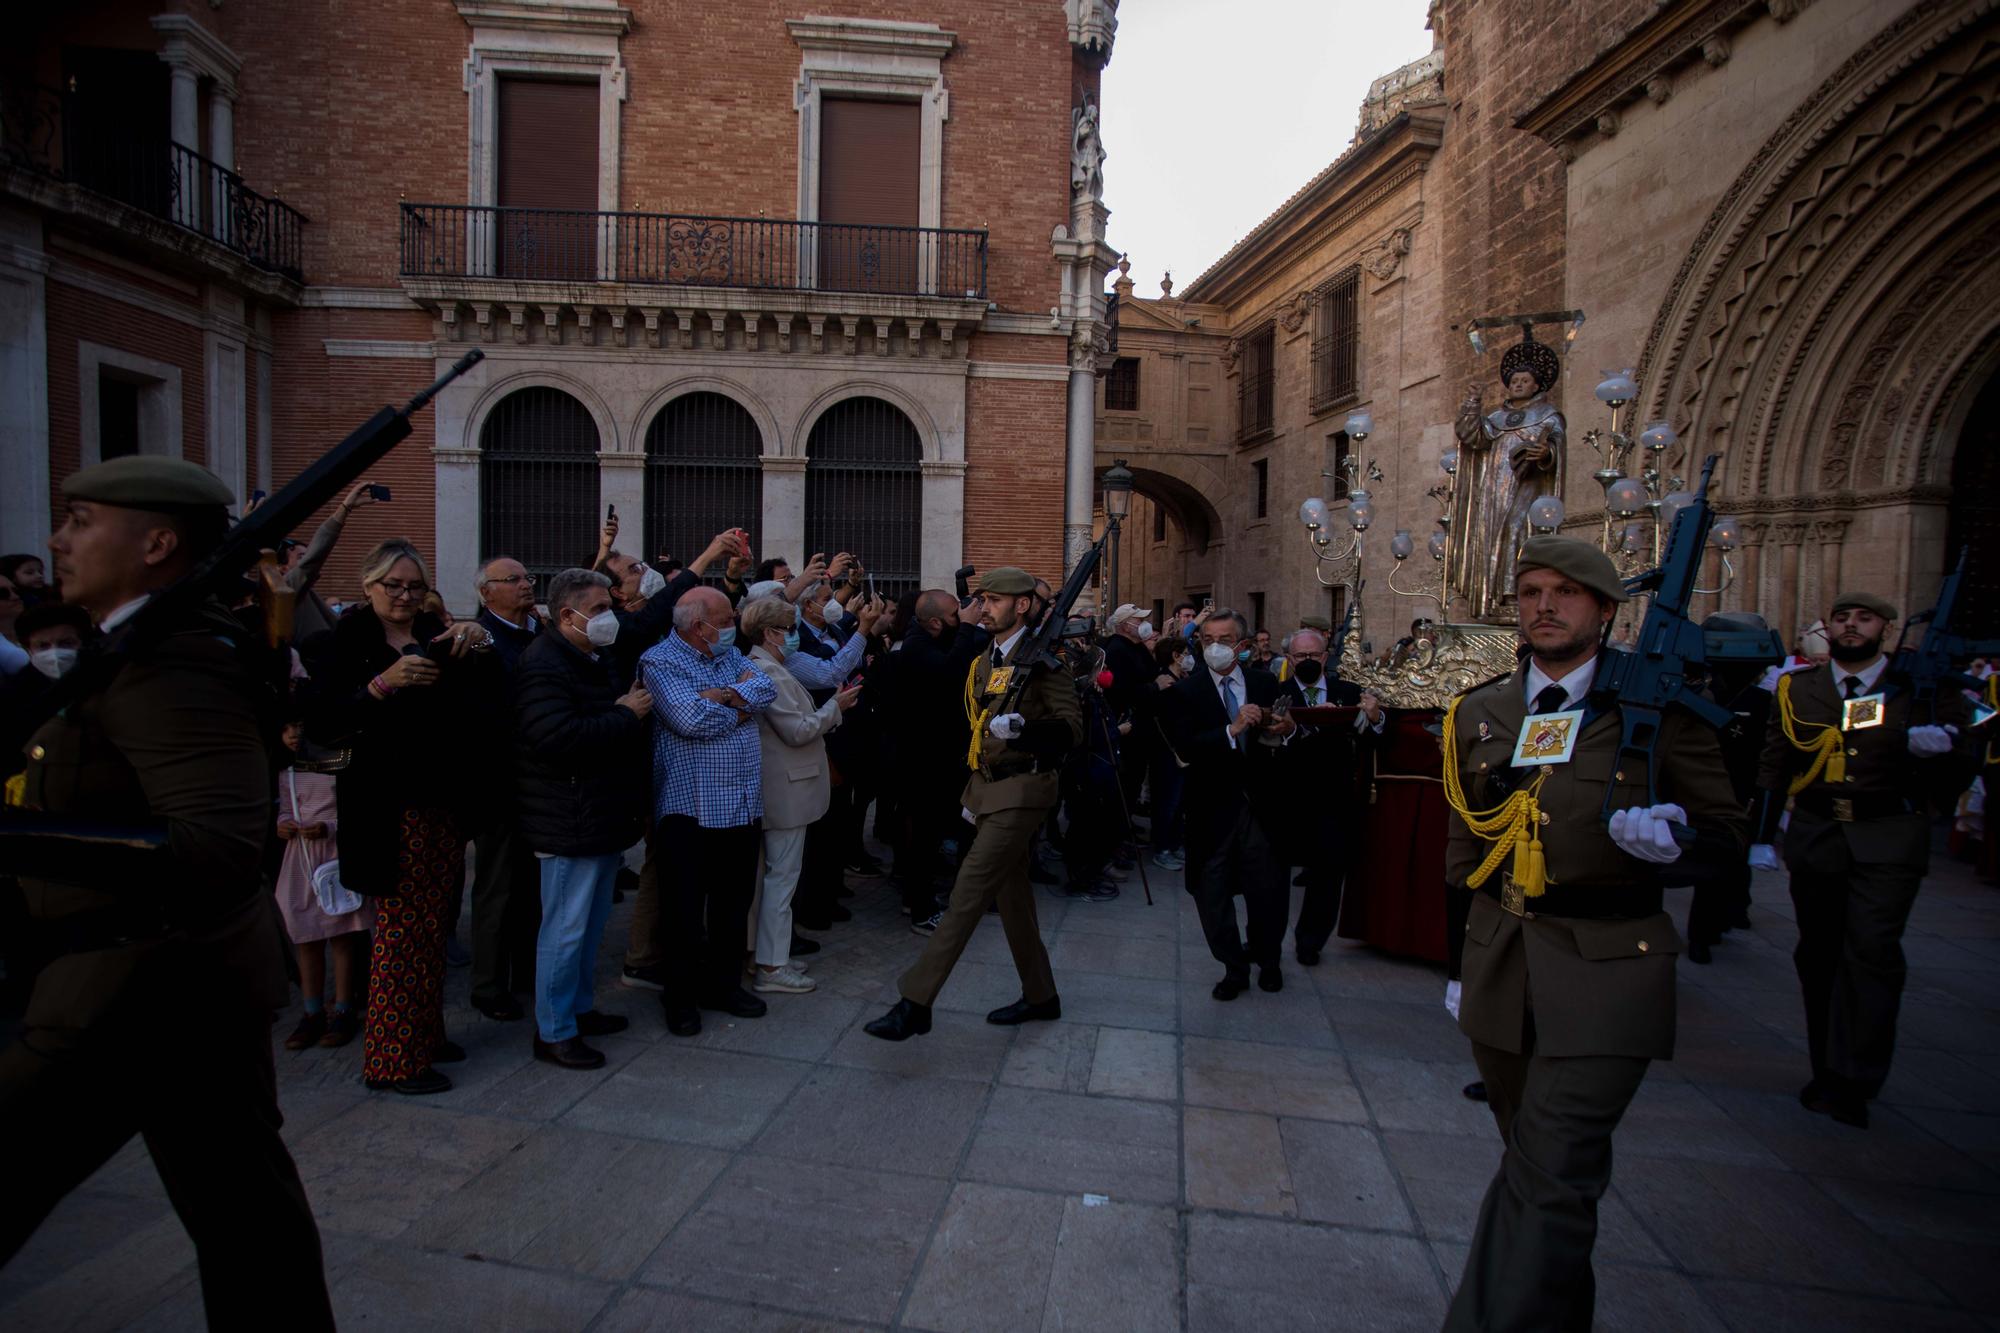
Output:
x,y
1086,153
1509,458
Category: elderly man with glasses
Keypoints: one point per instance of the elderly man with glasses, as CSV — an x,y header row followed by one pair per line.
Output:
x,y
506,883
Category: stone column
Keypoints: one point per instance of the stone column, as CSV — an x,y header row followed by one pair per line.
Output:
x,y
1830,533
222,151
621,481
184,125
941,543
457,568
1744,594
784,517
24,382
1789,536
224,386
1080,475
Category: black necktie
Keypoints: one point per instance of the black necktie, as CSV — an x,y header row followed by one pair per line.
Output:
x,y
1550,700
999,658
1852,685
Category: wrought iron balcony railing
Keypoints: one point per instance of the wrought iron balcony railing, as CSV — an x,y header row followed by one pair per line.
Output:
x,y
40,131
559,245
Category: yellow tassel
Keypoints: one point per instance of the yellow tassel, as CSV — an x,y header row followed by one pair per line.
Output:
x,y
1533,883
977,716
1828,748
1513,826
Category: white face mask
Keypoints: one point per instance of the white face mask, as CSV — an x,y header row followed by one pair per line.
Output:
x,y
1145,629
602,628
1186,661
650,581
1220,657
53,662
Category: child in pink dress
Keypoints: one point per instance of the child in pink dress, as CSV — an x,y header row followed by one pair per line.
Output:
x,y
306,823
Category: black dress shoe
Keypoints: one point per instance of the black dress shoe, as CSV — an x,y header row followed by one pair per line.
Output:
x,y
1698,952
816,924
837,913
908,1019
591,1023
1270,979
1825,1099
1308,957
570,1054
416,1085
447,1053
683,1020
1475,1092
1008,1015
736,1001
1230,987
801,946
506,1009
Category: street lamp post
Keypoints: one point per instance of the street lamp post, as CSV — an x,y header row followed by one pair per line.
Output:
x,y
1117,505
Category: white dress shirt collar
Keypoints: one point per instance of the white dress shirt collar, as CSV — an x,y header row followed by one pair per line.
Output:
x,y
124,613
1575,682
1006,645
1867,676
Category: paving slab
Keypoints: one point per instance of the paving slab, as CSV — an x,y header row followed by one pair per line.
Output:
x,y
890,1122
682,1092
1273,1079
1269,1274
988,1267
1128,1150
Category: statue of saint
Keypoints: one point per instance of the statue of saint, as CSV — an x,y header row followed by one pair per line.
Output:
x,y
1086,155
1510,458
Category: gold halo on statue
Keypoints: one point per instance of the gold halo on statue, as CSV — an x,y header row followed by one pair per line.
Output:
x,y
1538,359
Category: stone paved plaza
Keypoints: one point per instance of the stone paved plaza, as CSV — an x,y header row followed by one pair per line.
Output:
x,y
1155,1161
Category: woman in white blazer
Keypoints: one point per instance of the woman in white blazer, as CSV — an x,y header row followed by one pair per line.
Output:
x,y
797,785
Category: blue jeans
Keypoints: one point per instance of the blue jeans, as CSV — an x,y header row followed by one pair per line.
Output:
x,y
576,902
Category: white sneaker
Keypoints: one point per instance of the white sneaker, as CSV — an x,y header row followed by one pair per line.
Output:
x,y
787,980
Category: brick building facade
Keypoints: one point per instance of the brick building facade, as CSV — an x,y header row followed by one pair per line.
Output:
x,y
1779,214
816,275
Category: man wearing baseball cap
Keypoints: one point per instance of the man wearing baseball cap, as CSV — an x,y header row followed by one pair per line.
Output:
x,y
153,1015
1863,771
1568,970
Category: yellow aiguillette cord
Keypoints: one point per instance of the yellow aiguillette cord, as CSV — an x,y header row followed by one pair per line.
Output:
x,y
976,715
1514,825
1827,748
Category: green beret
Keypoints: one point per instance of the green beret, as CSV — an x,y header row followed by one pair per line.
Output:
x,y
1867,601
140,481
1320,623
1007,579
1573,559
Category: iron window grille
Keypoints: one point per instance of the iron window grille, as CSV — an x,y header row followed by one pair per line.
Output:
x,y
864,491
703,475
1336,341
1121,385
538,482
1255,385
1261,472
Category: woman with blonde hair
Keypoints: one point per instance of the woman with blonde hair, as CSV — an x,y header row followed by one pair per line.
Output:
x,y
798,786
410,699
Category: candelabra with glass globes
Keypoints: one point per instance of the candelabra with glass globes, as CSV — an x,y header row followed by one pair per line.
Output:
x,y
1639,510
1429,585
1328,550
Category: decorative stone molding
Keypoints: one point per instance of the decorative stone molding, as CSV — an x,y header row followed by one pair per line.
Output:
x,y
570,39
1383,258
1607,123
1292,314
1093,26
1715,50
187,45
880,59
1659,88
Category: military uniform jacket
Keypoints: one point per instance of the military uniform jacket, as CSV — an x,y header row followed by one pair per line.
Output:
x,y
1024,773
1880,767
174,736
1599,986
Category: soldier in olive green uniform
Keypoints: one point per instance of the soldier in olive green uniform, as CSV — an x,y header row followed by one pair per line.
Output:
x,y
1568,987
153,1017
1013,786
1863,774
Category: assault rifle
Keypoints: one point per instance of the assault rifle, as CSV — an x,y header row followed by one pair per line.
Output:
x,y
1039,652
1929,664
34,843
1654,676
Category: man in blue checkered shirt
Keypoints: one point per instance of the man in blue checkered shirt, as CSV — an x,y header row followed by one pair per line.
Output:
x,y
708,799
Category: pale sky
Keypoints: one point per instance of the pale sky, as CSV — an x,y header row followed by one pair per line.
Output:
x,y
1216,111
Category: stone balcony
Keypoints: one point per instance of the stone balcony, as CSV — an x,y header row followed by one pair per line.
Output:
x,y
661,280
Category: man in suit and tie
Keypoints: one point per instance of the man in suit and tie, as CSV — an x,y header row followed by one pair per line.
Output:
x,y
1863,769
1323,823
1219,717
1013,784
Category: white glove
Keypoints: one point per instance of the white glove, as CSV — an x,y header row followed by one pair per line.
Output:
x,y
1642,832
1007,726
1763,856
650,581
1930,742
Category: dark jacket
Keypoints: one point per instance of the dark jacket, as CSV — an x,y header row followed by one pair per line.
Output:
x,y
1133,672
436,747
1221,778
581,769
641,629
509,641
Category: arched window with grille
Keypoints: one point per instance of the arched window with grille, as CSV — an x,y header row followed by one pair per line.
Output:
x,y
702,475
864,490
538,482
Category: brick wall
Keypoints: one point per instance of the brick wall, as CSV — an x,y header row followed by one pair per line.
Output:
x,y
76,315
1014,447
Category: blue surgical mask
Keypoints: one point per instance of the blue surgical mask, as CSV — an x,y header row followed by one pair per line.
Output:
x,y
791,642
1242,654
725,637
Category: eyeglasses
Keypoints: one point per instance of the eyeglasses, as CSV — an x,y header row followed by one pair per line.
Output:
x,y
409,591
513,578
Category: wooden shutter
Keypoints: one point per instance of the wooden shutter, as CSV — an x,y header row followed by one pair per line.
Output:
x,y
868,180
548,161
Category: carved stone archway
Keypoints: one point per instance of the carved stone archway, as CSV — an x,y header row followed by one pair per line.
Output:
x,y
1824,326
